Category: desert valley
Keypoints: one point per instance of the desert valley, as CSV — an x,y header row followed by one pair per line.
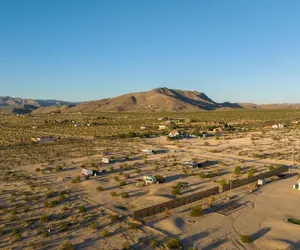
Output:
x,y
164,169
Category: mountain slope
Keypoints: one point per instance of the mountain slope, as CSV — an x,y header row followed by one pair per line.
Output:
x,y
11,105
160,99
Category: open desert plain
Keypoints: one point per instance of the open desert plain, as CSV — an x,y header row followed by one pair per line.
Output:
x,y
218,180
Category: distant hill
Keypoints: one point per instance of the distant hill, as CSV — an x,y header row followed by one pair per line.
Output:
x,y
12,105
160,99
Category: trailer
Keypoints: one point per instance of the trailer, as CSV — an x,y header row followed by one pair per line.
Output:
x,y
92,172
150,179
148,152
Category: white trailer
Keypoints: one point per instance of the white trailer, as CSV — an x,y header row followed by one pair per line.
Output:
x,y
91,172
148,151
150,179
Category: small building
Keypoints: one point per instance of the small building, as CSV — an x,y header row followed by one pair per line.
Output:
x,y
174,133
162,127
144,127
77,125
43,139
105,160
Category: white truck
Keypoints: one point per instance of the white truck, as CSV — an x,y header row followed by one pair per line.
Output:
x,y
150,179
91,172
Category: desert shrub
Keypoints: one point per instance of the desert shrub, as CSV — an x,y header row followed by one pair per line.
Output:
x,y
45,218
59,168
237,170
26,209
124,195
67,246
37,170
126,246
76,179
196,211
105,233
173,243
160,178
113,193
175,191
93,225
50,194
123,183
271,168
203,175
99,188
218,172
223,182
133,225
63,226
115,218
138,171
251,172
81,208
153,243
245,238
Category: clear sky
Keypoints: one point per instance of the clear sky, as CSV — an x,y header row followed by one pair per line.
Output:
x,y
232,50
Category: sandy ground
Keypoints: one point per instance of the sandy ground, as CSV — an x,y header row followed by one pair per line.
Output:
x,y
263,218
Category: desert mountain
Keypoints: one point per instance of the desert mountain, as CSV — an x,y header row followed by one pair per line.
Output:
x,y
11,105
160,99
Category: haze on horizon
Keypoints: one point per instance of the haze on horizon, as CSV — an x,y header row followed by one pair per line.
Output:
x,y
238,51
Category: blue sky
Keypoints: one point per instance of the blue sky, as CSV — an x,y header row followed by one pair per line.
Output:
x,y
232,50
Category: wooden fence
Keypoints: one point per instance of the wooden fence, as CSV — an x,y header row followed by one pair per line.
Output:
x,y
139,214
159,208
238,183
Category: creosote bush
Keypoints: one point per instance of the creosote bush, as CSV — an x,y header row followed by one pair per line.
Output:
x,y
67,246
99,188
245,238
196,211
173,243
105,233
